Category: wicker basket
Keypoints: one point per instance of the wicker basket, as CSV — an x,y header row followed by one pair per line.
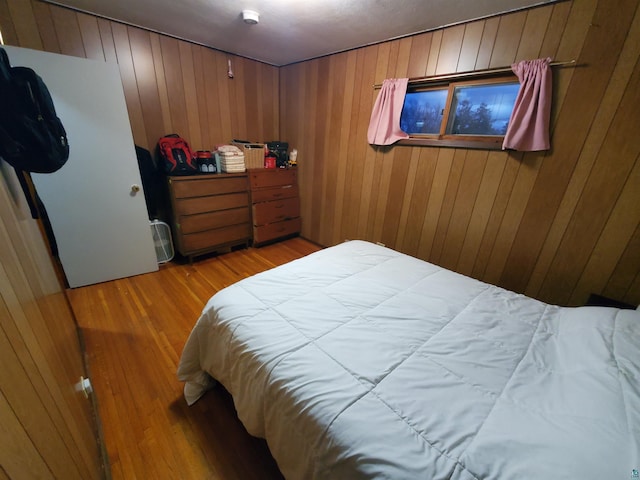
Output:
x,y
253,154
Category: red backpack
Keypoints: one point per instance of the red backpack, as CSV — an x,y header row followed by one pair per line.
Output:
x,y
178,159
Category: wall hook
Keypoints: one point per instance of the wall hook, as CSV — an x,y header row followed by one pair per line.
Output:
x,y
229,71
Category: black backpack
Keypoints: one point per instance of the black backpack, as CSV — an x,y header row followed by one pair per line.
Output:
x,y
32,137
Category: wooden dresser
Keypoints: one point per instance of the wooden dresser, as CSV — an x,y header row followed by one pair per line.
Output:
x,y
275,203
210,212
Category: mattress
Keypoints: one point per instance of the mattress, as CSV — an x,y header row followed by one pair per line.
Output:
x,y
359,362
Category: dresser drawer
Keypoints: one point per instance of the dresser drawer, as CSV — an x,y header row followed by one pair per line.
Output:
x,y
194,242
275,193
272,177
265,233
210,185
211,220
276,211
191,206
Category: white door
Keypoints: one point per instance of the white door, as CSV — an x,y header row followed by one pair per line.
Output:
x,y
100,222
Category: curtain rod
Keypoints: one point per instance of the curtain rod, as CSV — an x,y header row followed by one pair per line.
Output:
x,y
473,73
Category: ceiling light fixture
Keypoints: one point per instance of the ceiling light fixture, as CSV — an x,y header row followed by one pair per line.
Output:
x,y
250,17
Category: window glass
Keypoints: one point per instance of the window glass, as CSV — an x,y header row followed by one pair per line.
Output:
x,y
482,109
422,112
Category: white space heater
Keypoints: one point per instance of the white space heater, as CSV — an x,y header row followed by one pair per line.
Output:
x,y
162,241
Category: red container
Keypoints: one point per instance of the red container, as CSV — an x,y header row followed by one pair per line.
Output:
x,y
269,162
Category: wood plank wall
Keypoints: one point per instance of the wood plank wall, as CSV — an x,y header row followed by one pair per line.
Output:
x,y
557,225
171,86
47,428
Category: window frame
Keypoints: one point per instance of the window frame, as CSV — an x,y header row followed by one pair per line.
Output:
x,y
444,139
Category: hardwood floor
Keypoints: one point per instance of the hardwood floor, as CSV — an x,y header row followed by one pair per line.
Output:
x,y
134,330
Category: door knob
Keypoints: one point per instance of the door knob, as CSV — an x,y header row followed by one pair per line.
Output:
x,y
135,188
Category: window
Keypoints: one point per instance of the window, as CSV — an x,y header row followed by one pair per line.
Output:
x,y
472,114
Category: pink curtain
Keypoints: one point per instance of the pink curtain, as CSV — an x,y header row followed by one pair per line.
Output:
x,y
384,126
528,129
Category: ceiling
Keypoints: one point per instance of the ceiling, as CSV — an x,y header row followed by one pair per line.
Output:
x,y
291,31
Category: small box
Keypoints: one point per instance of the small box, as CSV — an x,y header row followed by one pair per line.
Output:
x,y
253,154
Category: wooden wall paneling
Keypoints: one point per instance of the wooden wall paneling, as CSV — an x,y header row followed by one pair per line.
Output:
x,y
316,132
90,34
238,120
201,88
508,38
17,451
616,235
556,172
392,172
391,209
38,351
482,209
407,195
26,27
419,203
212,81
298,117
419,57
470,46
489,33
25,403
122,44
267,102
620,284
633,293
175,86
402,58
46,28
48,352
533,34
224,95
608,107
444,215
260,111
389,165
271,94
144,71
525,181
576,30
450,47
386,54
336,88
252,108
610,171
463,206
108,43
306,99
7,28
434,52
342,153
190,93
358,148
505,188
68,32
161,86
555,30
379,160
436,198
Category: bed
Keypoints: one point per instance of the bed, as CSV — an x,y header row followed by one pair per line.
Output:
x,y
358,362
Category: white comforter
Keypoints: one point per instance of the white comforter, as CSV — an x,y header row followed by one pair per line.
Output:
x,y
361,362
